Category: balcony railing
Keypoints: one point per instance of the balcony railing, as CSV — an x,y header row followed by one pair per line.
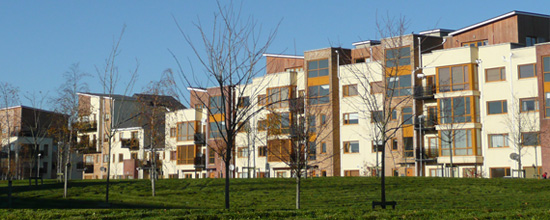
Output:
x,y
424,92
131,143
199,161
426,124
86,146
199,138
87,126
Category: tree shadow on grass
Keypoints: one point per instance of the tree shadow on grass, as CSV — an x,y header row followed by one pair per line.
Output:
x,y
41,203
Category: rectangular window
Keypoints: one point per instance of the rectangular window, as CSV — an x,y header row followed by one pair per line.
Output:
x,y
186,131
478,43
278,97
312,126
495,74
377,116
407,115
262,125
173,132
394,145
278,150
398,86
120,158
377,87
105,158
312,151
351,118
242,152
211,156
547,105
498,140
317,68
377,146
408,147
217,129
351,147
216,105
243,102
173,155
529,105
318,94
500,172
134,156
526,71
433,149
455,110
497,107
323,147
460,139
546,68
323,119
114,158
530,138
262,151
394,114
186,154
455,78
350,90
398,57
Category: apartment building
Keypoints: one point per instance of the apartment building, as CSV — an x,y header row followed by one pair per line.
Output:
x,y
24,135
125,132
463,103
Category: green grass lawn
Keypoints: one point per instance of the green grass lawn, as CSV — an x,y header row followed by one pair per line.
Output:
x,y
417,198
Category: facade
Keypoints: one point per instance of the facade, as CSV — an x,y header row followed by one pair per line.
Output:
x,y
30,143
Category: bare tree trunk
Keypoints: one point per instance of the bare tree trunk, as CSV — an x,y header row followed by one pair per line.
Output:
x,y
108,172
298,183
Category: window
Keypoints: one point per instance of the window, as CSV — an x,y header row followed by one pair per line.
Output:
x,y
243,102
134,156
546,68
242,152
216,105
500,172
278,97
317,68
120,158
531,40
211,156
433,150
530,138
217,129
262,125
351,118
318,94
407,115
173,132
377,116
394,114
376,87
455,110
377,146
398,85
278,123
186,131
398,57
498,140
89,159
323,147
526,71
408,147
394,145
262,151
547,106
350,90
455,78
351,147
495,74
105,158
351,172
497,107
478,43
173,155
461,139
186,154
529,105
262,100
312,151
46,150
312,125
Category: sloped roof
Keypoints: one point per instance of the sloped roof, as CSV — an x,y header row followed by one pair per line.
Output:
x,y
500,17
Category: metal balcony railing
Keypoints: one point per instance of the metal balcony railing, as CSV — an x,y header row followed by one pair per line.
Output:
x,y
424,92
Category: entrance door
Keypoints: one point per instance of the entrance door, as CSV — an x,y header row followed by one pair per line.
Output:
x,y
410,172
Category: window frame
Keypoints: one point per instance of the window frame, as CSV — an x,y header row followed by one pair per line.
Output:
x,y
319,99
468,79
535,103
346,90
507,171
395,61
186,137
504,138
530,145
502,74
318,69
348,147
348,120
503,107
182,155
275,99
534,71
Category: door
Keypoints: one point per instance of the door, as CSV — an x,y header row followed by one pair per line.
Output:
x,y
410,172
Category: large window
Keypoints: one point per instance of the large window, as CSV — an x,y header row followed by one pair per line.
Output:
x,y
495,74
262,151
399,85
546,68
408,147
216,105
398,57
350,90
478,43
217,129
530,138
278,97
529,105
526,71
407,115
500,172
186,154
351,147
497,107
242,152
498,140
351,118
456,78
243,102
318,94
547,106
186,131
461,140
377,116
317,68
455,110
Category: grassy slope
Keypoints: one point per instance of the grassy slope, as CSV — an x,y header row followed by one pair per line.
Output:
x,y
417,198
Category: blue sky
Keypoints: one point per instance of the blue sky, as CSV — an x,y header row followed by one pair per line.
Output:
x,y
39,40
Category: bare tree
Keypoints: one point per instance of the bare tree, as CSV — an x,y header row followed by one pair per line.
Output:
x,y
233,49
9,96
121,108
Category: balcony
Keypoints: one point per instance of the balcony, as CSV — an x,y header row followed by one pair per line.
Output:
x,y
131,143
86,167
199,139
199,162
424,92
85,147
426,124
87,126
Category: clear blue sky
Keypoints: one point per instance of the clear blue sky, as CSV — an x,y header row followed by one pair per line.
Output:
x,y
39,40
